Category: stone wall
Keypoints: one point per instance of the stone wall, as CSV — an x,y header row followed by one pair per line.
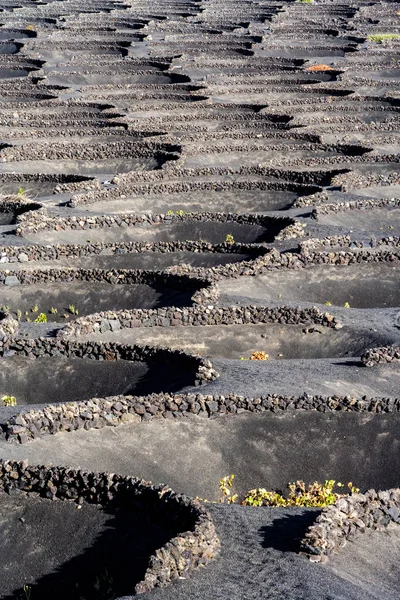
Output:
x,y
114,410
8,329
38,347
196,315
362,204
203,289
347,517
195,541
42,220
378,356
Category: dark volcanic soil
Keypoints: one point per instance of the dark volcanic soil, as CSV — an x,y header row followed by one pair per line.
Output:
x,y
279,123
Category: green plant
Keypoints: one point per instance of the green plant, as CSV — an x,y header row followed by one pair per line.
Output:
x,y
314,495
305,1
170,212
229,239
53,311
346,305
9,400
225,485
21,191
35,308
41,318
27,592
383,37
180,213
327,303
73,310
19,314
4,308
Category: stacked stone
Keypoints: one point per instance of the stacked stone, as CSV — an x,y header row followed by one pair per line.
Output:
x,y
57,251
202,368
42,220
194,543
115,410
378,356
13,203
197,315
364,204
8,329
347,517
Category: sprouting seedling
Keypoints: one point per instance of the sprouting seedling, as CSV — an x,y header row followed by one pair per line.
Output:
x,y
9,400
35,308
21,191
41,318
229,239
73,310
19,315
346,305
53,310
170,213
327,303
180,213
27,591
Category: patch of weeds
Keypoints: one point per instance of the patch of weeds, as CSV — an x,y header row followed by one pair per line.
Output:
x,y
41,318
314,495
379,38
9,400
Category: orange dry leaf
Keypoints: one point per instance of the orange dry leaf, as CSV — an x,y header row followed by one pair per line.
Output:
x,y
259,356
320,68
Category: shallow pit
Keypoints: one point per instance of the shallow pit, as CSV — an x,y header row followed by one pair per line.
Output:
x,y
237,342
214,232
91,553
235,200
384,221
58,379
361,286
63,302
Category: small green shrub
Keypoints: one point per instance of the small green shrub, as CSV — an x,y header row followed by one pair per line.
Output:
x,y
9,400
314,495
41,318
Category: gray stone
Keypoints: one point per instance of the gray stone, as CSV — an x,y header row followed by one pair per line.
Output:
x,y
11,280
